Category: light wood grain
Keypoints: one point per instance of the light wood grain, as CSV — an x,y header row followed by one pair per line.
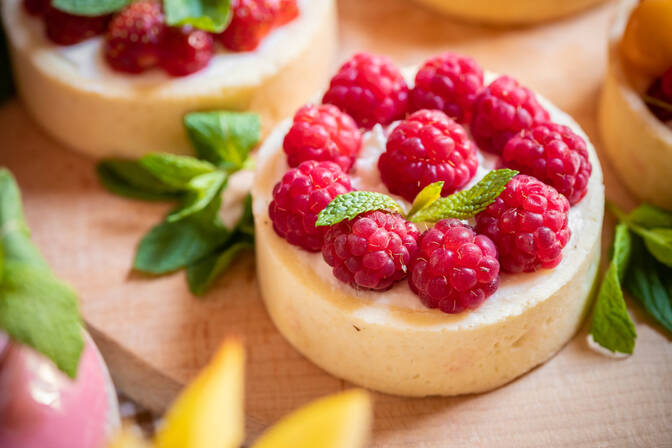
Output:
x,y
155,335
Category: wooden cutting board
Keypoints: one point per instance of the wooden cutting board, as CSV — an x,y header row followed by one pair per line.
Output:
x,y
155,335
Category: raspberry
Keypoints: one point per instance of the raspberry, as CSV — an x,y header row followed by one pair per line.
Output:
x,y
528,223
68,29
185,50
253,20
36,7
555,155
322,133
502,110
449,83
300,196
370,89
372,251
133,37
425,148
661,89
288,11
454,269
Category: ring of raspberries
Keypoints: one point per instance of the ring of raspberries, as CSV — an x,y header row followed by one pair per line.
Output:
x,y
137,38
452,266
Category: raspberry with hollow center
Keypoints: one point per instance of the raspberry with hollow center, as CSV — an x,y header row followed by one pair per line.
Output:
x,y
185,50
133,37
302,193
502,110
425,148
449,83
372,251
68,29
454,269
322,133
253,20
370,89
528,223
555,155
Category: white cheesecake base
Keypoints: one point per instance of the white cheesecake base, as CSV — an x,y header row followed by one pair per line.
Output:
x,y
639,145
389,341
79,101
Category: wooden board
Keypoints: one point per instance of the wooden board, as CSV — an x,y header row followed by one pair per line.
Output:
x,y
155,335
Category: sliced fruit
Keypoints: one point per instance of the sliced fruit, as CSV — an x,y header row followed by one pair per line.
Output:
x,y
647,41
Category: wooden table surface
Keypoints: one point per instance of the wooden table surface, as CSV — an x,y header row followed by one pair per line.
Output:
x,y
155,335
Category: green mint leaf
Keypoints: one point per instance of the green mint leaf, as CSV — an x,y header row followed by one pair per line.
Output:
x,y
202,190
223,138
174,170
90,7
659,243
128,178
611,326
426,197
349,205
649,216
208,15
650,283
203,273
467,203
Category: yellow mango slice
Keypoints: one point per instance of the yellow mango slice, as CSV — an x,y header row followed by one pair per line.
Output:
x,y
647,41
338,421
128,437
209,412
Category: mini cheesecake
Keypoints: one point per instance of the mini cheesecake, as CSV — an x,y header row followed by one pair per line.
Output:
x,y
513,12
388,340
638,144
83,103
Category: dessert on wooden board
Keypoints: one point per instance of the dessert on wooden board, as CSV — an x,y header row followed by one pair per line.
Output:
x,y
119,83
394,293
635,113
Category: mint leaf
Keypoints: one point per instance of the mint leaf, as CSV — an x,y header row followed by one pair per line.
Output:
x,y
349,205
128,178
467,203
649,216
611,326
89,7
202,274
426,197
659,243
173,170
223,138
208,15
202,190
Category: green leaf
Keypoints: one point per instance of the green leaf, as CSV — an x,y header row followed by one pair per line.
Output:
x,y
650,283
467,203
223,138
648,216
349,205
659,243
174,170
203,190
612,327
38,310
201,274
127,178
426,197
208,15
90,7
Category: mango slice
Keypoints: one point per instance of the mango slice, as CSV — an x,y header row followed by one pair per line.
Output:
x,y
647,41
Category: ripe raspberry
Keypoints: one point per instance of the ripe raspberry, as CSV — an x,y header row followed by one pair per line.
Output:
x,y
185,50
425,148
300,196
661,89
372,251
36,7
288,11
322,133
449,83
132,41
502,110
528,223
370,89
253,20
555,155
68,29
454,269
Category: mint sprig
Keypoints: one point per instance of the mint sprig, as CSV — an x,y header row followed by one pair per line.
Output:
x,y
192,236
208,15
349,205
89,7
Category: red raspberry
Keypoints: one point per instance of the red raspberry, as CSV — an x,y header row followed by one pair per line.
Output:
x,y
300,196
186,50
555,155
36,7
288,11
322,133
132,41
502,110
372,251
425,148
370,89
528,223
661,89
449,83
68,29
252,21
454,269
